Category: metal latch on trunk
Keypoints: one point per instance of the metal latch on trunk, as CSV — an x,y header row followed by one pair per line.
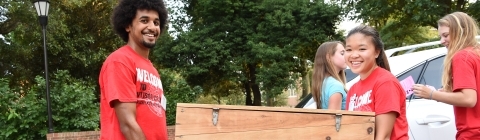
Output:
x,y
338,121
215,116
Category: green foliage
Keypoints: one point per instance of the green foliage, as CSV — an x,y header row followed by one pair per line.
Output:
x,y
232,99
403,22
24,112
474,10
18,113
417,12
392,37
279,100
174,85
235,99
209,99
234,47
78,39
74,100
176,91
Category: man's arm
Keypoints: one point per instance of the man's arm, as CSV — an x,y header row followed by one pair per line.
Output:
x,y
127,120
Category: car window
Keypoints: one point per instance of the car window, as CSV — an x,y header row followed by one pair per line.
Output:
x,y
414,72
433,73
349,75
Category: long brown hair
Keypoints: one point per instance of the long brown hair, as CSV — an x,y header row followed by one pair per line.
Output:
x,y
462,32
381,61
323,67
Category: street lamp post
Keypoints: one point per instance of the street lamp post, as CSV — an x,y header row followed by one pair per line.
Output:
x,y
42,10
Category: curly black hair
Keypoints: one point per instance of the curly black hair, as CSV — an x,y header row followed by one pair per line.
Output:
x,y
126,10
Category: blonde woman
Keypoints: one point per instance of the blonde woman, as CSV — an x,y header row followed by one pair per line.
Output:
x,y
328,80
461,74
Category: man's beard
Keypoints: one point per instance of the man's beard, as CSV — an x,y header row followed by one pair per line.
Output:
x,y
149,45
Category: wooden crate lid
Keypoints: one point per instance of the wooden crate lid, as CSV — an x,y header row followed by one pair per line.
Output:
x,y
275,109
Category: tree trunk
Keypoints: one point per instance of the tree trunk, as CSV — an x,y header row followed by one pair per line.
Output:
x,y
257,97
218,99
248,96
447,10
461,5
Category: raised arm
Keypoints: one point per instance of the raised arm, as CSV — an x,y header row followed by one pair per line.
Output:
x,y
462,98
464,84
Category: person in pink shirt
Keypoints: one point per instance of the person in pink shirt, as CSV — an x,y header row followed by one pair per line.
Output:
x,y
461,74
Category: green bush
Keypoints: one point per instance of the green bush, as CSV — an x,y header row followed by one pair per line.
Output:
x,y
176,91
24,112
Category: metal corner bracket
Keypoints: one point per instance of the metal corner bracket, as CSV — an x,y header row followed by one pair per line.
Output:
x,y
338,121
215,116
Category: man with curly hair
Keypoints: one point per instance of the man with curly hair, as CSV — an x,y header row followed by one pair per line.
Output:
x,y
132,102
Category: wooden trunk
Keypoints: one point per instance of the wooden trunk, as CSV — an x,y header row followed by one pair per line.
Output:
x,y
228,122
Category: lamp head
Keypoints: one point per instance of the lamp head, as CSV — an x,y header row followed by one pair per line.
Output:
x,y
42,7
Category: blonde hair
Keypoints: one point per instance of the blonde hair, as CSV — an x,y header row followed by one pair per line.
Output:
x,y
324,67
462,32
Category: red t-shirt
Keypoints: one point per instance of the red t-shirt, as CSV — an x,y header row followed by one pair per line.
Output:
x,y
466,75
128,77
381,93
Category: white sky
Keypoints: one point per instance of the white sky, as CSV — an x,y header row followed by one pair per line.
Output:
x,y
347,25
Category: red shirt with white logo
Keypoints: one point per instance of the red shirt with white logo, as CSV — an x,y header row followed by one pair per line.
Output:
x,y
466,75
128,77
381,93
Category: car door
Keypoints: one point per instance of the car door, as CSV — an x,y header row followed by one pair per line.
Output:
x,y
429,119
